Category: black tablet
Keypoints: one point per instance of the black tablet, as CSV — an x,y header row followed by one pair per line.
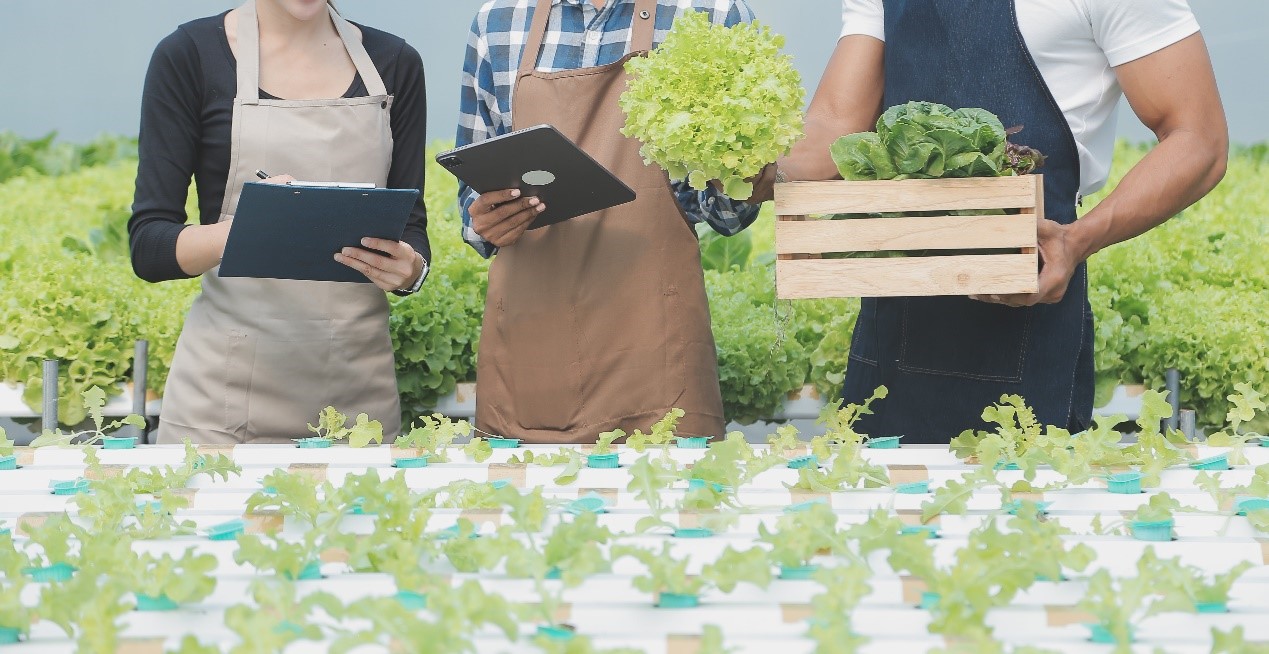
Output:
x,y
293,232
542,163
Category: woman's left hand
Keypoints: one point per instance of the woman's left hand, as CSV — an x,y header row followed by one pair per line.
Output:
x,y
400,269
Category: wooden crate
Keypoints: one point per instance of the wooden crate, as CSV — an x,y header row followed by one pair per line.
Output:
x,y
801,272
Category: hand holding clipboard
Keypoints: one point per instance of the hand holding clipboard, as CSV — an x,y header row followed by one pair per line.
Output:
x,y
296,231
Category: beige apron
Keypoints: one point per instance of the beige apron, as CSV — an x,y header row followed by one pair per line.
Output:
x,y
599,322
259,358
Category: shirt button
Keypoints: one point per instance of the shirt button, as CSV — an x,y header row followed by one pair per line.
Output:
x,y
592,38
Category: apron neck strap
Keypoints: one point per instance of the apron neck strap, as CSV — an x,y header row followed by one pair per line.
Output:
x,y
642,31
249,53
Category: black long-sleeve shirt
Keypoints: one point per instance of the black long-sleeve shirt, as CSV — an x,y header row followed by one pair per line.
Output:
x,y
186,125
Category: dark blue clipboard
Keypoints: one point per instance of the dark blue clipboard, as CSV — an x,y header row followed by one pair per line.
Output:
x,y
294,232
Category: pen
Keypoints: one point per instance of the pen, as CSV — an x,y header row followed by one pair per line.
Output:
x,y
262,175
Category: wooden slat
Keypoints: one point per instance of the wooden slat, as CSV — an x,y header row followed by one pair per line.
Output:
x,y
882,234
814,198
916,276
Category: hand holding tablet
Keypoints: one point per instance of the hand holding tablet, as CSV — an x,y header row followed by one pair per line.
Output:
x,y
535,177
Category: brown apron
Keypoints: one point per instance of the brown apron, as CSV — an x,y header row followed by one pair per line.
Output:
x,y
259,358
599,322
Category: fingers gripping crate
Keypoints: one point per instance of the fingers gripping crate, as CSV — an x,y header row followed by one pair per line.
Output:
x,y
801,239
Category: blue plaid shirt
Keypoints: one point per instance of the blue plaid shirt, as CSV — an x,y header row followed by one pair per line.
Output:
x,y
578,36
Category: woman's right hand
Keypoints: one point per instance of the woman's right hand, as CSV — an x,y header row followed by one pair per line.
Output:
x,y
199,248
501,217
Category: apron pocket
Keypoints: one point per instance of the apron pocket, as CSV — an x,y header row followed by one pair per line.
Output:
x,y
546,397
960,337
863,342
208,388
288,386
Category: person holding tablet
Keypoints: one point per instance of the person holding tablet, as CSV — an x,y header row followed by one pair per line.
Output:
x,y
599,322
290,87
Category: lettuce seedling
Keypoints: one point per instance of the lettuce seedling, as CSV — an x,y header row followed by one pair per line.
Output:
x,y
661,434
14,614
280,617
649,479
434,434
830,625
1119,604
185,580
94,400
605,444
576,548
333,426
799,537
570,458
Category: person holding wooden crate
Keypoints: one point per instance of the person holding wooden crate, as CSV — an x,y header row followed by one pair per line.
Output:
x,y
600,322
291,87
1058,69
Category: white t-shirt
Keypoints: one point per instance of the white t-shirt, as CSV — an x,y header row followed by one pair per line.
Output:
x,y
1076,44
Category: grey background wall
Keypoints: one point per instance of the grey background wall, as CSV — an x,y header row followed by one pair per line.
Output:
x,y
76,66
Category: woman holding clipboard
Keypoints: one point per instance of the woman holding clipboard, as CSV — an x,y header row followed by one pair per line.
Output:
x,y
291,87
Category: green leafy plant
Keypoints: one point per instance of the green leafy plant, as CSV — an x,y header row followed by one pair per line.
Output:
x,y
478,449
87,608
271,553
830,626
184,580
56,540
301,497
571,459
760,360
94,402
576,548
111,505
1192,586
734,567
714,102
663,574
1119,604
848,469
924,140
727,466
661,434
155,480
650,478
606,443
280,617
989,571
14,614
799,537
333,426
1234,641
434,434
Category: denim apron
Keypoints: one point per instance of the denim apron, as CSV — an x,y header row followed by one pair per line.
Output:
x,y
944,359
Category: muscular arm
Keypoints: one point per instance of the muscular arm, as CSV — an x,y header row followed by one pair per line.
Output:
x,y
1173,92
847,101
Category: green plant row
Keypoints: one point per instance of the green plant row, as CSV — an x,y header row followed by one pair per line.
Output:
x,y
1188,295
88,584
45,156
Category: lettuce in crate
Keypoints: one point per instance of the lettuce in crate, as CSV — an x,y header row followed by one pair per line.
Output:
x,y
714,102
926,140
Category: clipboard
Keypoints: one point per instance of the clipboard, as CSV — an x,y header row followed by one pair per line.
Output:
x,y
542,163
293,232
